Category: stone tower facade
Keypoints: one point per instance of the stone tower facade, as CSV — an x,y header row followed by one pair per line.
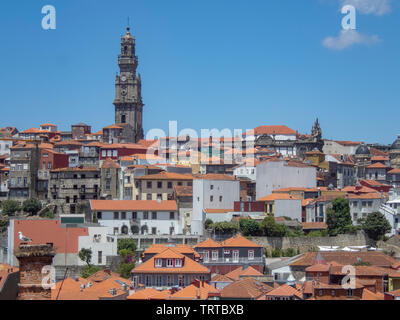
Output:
x,y
128,93
32,259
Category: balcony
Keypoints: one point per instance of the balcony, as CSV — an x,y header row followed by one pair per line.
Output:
x,y
256,260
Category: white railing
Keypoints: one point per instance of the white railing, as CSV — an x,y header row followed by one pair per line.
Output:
x,y
231,260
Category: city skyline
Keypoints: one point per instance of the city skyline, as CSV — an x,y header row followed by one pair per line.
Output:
x,y
217,74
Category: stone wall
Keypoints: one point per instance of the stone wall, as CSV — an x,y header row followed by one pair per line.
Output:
x,y
305,244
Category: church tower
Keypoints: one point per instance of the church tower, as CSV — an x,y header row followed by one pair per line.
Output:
x,y
128,96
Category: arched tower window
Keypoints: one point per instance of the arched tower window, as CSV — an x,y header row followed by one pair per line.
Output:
x,y
123,118
126,50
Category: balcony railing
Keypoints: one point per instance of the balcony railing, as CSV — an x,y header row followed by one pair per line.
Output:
x,y
232,260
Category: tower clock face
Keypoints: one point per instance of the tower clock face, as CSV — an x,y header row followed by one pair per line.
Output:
x,y
123,78
123,92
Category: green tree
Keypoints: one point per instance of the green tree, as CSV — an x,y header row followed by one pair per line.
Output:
x,y
3,225
31,206
376,226
208,224
276,253
272,229
89,270
125,269
85,255
225,227
249,227
10,207
296,232
289,252
126,244
46,213
318,233
338,217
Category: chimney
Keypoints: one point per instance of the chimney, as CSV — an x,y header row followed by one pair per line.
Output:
x,y
32,259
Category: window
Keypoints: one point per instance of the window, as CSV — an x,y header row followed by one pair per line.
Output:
x,y
153,230
227,251
145,215
149,185
206,256
320,292
251,254
169,185
116,215
181,280
179,183
171,215
154,215
211,198
350,292
333,293
235,254
66,199
211,187
148,196
220,198
178,263
159,184
123,215
190,184
214,255
170,263
99,215
158,263
100,257
170,281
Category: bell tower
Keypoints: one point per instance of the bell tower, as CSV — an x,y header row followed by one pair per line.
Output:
x,y
128,96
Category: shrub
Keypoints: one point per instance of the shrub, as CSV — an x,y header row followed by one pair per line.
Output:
x,y
125,269
226,227
208,224
249,227
289,252
272,229
3,225
376,226
89,270
31,206
128,244
318,233
46,213
276,253
10,207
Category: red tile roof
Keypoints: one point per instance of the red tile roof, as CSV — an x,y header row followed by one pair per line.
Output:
x,y
314,225
285,291
189,266
279,130
198,290
65,240
247,288
377,165
239,241
133,205
209,243
278,196
164,175
110,164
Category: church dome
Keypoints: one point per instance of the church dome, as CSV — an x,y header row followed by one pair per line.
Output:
x,y
396,144
363,149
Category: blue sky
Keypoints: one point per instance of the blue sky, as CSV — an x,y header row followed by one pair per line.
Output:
x,y
207,64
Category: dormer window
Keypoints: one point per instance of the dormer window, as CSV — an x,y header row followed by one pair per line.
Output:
x,y
158,263
170,263
178,263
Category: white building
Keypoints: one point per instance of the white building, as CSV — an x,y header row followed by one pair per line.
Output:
x,y
5,146
391,211
213,191
247,170
277,174
125,217
340,147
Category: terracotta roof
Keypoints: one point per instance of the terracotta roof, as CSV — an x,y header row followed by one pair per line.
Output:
x,y
279,130
278,196
380,158
375,258
49,231
377,165
48,125
110,164
198,290
358,189
113,126
395,293
144,294
394,171
183,191
221,278
371,195
239,241
133,205
285,291
76,169
241,272
314,225
189,266
180,248
164,175
308,287
369,295
247,288
71,288
209,243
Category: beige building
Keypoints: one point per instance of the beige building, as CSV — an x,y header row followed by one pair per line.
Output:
x,y
160,185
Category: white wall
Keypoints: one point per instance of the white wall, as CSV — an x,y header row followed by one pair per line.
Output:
x,y
228,189
273,175
288,208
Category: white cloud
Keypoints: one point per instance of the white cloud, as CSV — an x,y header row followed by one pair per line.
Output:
x,y
376,7
348,38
